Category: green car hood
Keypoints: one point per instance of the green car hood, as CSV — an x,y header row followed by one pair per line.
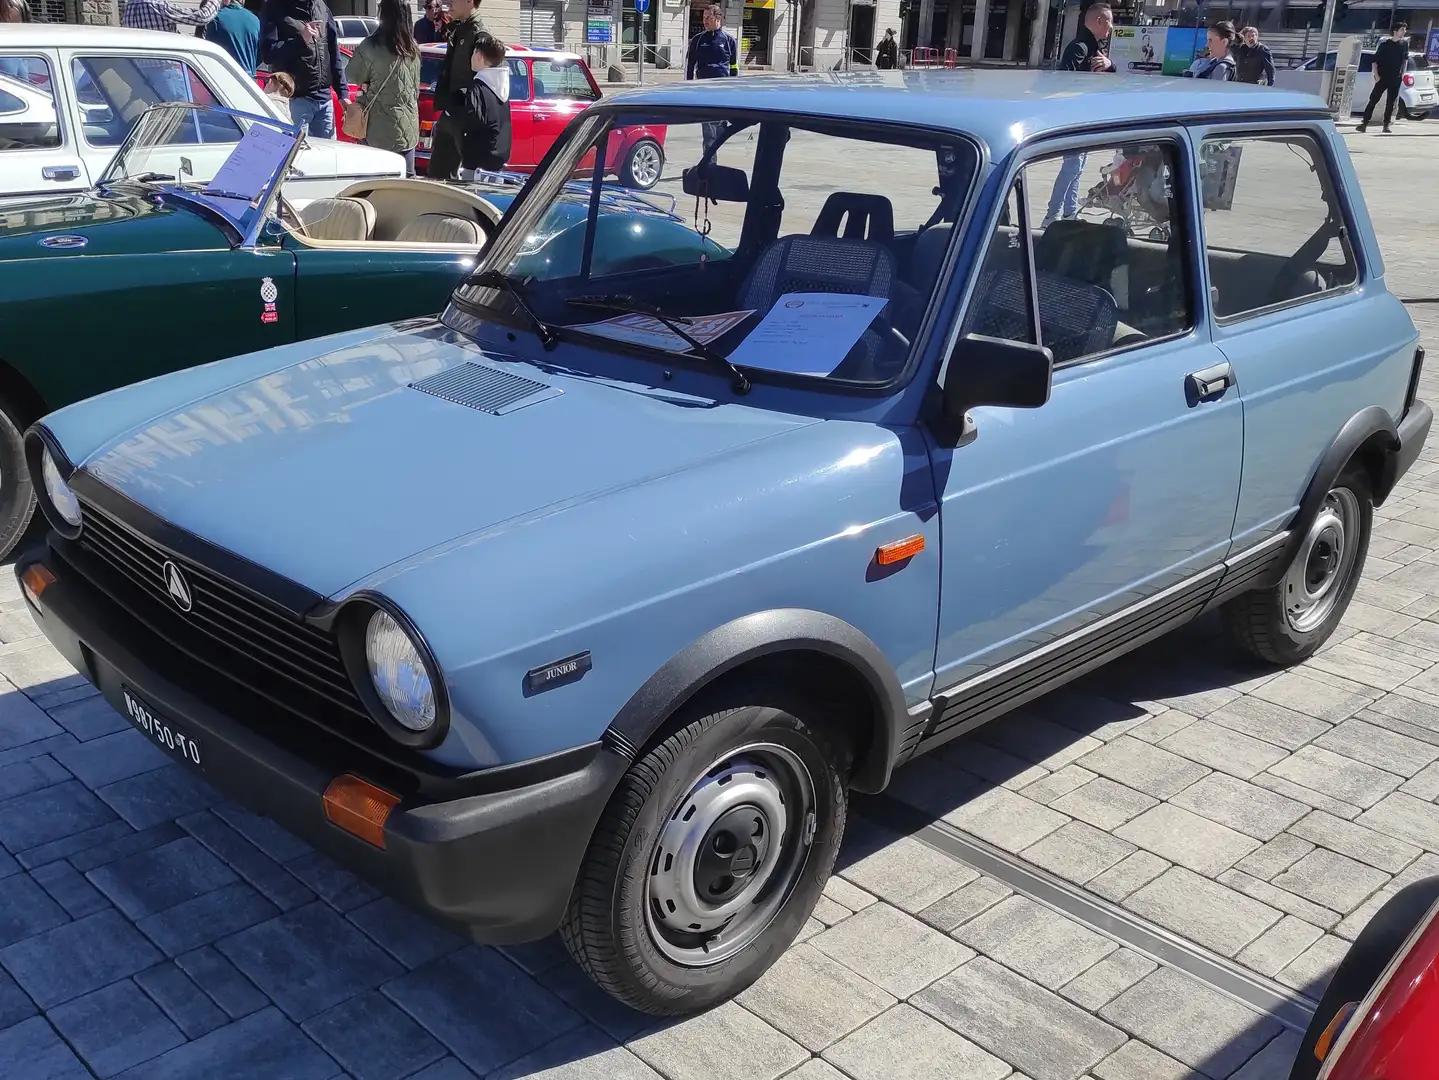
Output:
x,y
119,222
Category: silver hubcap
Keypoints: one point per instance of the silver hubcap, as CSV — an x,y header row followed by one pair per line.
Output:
x,y
1316,577
645,164
730,854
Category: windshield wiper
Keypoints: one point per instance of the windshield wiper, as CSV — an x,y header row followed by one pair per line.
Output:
x,y
498,279
629,305
150,177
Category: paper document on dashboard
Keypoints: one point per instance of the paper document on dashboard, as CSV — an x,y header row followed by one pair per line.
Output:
x,y
650,332
254,160
808,333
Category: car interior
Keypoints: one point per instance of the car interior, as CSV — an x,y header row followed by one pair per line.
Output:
x,y
395,212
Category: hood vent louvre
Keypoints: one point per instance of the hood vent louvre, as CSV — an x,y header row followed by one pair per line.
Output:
x,y
484,389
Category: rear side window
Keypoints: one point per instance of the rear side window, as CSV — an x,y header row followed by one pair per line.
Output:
x,y
1274,230
1106,240
29,114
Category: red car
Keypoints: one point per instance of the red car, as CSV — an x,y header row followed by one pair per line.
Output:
x,y
547,89
1379,1018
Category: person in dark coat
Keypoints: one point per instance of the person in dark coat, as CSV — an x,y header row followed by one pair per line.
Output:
x,y
485,133
454,78
712,54
434,26
888,52
1253,60
301,38
1089,51
1391,58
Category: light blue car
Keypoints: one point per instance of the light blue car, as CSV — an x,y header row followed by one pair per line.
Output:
x,y
584,605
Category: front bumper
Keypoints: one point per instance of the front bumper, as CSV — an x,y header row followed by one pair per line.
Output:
x,y
497,866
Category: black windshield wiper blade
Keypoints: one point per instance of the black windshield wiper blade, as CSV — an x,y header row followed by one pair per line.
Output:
x,y
498,279
150,177
629,305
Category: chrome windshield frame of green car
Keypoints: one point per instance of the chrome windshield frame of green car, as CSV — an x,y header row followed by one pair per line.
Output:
x,y
245,216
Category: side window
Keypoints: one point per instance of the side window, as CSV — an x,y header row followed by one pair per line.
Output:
x,y
519,80
114,91
1366,63
563,79
1273,229
29,113
1106,239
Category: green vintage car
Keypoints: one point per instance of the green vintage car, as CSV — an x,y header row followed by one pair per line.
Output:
x,y
164,265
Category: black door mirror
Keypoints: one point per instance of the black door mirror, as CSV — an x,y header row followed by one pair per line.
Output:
x,y
991,371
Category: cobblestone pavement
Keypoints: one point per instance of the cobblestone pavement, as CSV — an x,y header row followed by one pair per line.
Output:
x,y
151,930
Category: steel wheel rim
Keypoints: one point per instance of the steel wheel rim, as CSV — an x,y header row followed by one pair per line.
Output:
x,y
1315,579
645,164
692,918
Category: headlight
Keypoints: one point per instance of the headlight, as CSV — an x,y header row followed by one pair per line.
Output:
x,y
398,672
61,497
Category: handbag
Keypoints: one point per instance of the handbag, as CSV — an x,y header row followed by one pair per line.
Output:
x,y
356,121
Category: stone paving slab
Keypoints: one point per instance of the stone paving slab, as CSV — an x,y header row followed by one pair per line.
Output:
x,y
152,930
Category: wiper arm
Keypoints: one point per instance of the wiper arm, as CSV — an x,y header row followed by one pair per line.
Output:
x,y
150,177
629,305
498,279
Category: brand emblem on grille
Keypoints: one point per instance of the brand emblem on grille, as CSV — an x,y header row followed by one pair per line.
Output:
x,y
177,586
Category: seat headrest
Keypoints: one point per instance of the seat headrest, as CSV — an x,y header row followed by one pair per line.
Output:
x,y
345,218
866,217
441,229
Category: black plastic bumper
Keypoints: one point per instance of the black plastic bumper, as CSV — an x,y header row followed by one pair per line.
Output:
x,y
1413,431
497,867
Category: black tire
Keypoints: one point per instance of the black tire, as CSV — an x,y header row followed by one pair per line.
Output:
x,y
1362,965
1403,111
635,170
17,493
1259,622
608,927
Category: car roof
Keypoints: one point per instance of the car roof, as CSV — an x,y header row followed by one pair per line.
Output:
x,y
74,35
437,48
999,107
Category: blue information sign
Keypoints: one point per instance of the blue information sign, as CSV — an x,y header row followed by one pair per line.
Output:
x,y
642,6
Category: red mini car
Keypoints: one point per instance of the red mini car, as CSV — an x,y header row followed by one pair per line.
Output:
x,y
547,89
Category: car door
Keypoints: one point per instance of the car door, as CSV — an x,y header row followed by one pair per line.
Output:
x,y
522,115
1306,339
39,154
1071,530
344,288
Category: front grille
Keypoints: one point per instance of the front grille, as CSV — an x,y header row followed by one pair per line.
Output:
x,y
246,635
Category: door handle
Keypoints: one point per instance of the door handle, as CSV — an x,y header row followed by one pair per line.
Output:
x,y
542,116
60,172
1208,384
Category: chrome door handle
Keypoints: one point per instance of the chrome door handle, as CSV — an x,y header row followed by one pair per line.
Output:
x,y
542,116
1208,384
60,172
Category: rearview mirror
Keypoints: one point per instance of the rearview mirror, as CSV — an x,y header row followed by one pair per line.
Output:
x,y
717,182
991,371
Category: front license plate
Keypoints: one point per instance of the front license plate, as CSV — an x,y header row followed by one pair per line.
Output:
x,y
162,732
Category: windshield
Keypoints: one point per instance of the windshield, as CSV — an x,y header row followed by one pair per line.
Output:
x,y
230,161
787,244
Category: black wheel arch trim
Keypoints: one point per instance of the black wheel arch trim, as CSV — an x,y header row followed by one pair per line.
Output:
x,y
756,636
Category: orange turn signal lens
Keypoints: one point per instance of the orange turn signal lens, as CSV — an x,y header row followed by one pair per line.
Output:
x,y
36,580
900,550
1330,1034
359,807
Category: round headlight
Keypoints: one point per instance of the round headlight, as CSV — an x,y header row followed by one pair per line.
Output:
x,y
398,671
61,497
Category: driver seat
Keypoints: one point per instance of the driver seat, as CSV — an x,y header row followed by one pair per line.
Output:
x,y
345,218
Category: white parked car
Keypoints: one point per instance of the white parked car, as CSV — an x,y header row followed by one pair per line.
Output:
x,y
355,28
1417,96
70,94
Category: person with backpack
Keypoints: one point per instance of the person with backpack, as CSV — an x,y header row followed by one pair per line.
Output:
x,y
1218,65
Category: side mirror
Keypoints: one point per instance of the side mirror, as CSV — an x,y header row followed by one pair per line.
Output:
x,y
991,371
717,182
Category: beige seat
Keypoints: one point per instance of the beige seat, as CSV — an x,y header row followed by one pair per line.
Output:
x,y
339,219
441,229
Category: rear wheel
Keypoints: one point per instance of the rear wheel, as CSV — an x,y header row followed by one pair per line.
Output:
x,y
643,165
710,856
1403,110
1288,623
17,494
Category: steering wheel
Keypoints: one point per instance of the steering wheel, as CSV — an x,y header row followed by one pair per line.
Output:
x,y
290,217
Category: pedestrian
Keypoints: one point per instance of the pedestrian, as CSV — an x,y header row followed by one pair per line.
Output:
x,y
434,25
1391,59
1089,51
300,37
1218,65
280,88
453,80
888,52
713,54
485,120
15,11
237,31
1253,60
387,65
163,15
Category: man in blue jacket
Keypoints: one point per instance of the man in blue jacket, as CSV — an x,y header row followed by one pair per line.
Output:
x,y
237,31
713,54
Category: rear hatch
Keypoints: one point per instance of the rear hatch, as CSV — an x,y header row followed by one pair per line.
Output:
x,y
1419,77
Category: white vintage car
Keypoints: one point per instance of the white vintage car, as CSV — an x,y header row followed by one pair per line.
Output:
x,y
70,94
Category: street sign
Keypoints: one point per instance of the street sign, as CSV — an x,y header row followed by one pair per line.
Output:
x,y
642,6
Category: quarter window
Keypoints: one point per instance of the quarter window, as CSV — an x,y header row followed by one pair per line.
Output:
x,y
1273,229
29,113
1106,240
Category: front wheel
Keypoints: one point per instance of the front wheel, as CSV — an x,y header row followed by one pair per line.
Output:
x,y
643,165
709,857
17,493
1289,623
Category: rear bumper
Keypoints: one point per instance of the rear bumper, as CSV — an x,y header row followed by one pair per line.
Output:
x,y
498,867
1413,432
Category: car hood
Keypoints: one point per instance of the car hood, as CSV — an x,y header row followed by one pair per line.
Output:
x,y
121,221
333,468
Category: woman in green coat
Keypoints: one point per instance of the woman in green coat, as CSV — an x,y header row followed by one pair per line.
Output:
x,y
387,65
